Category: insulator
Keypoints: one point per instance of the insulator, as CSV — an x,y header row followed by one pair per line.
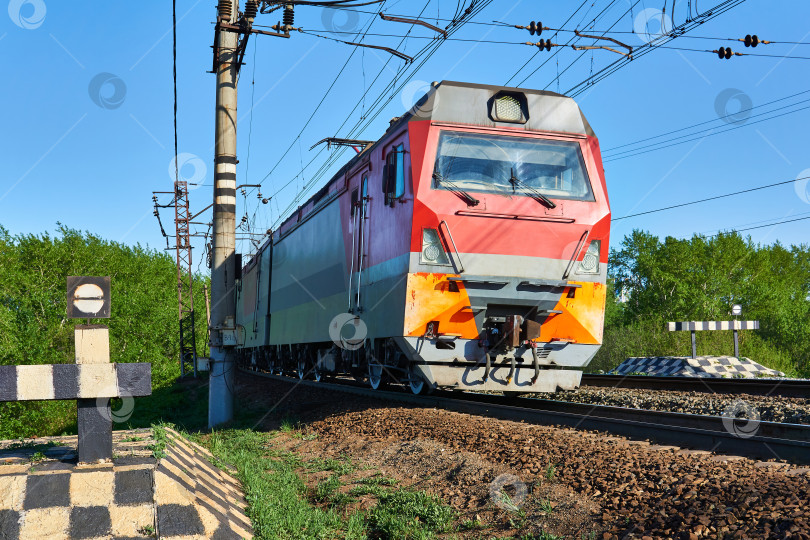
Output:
x,y
251,9
535,27
724,52
754,40
225,9
265,201
289,15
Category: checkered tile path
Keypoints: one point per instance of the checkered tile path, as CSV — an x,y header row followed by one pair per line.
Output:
x,y
136,496
702,366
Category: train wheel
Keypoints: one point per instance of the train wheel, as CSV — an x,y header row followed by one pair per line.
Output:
x,y
415,381
376,374
302,366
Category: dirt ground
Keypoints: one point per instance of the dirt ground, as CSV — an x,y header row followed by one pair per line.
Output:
x,y
577,484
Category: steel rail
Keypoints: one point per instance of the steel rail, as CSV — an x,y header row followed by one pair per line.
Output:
x,y
761,440
759,387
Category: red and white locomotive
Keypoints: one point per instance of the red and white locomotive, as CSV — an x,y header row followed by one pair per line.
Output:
x,y
465,249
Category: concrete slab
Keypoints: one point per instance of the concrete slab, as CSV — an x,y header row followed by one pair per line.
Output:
x,y
701,366
44,493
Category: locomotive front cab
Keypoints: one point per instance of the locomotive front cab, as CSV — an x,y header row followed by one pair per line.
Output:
x,y
506,289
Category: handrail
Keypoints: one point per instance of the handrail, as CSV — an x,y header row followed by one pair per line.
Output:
x,y
351,268
450,234
575,256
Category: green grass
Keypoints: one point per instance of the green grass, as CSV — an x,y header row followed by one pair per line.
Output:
x,y
281,505
409,514
378,480
326,489
161,440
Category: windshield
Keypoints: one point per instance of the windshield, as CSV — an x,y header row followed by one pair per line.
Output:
x,y
511,166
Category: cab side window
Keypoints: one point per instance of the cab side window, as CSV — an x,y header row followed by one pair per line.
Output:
x,y
399,173
364,195
394,174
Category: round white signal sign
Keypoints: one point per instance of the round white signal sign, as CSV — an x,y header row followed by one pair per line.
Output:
x,y
88,298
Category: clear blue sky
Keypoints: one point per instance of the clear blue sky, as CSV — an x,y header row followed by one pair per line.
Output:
x,y
88,108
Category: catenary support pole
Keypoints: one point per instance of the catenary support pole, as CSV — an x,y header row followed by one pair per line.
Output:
x,y
223,270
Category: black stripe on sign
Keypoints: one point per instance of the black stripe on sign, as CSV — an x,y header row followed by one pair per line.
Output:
x,y
134,379
65,381
8,383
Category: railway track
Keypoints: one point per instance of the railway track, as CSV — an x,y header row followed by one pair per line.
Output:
x,y
761,440
759,387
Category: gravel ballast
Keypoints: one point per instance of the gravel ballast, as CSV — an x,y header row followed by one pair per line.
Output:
x,y
770,409
640,490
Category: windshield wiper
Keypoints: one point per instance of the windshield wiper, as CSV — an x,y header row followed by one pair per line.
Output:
x,y
533,193
466,197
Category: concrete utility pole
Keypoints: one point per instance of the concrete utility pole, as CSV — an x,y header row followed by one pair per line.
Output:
x,y
223,269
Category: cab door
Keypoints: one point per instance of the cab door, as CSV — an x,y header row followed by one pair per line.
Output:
x,y
360,208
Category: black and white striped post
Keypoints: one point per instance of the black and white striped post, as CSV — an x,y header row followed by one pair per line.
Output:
x,y
694,326
91,381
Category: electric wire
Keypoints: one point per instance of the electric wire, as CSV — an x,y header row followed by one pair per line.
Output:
x,y
749,190
647,139
653,44
317,108
339,152
578,58
538,50
378,102
473,10
174,78
769,225
693,136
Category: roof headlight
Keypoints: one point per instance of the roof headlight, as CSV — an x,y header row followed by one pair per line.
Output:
x,y
509,107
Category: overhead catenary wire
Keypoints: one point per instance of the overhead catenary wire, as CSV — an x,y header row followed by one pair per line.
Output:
x,y
469,13
767,225
694,136
317,108
749,190
653,44
174,79
647,139
766,222
379,103
575,60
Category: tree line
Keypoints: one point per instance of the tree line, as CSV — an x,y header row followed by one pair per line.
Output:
x,y
34,328
653,281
